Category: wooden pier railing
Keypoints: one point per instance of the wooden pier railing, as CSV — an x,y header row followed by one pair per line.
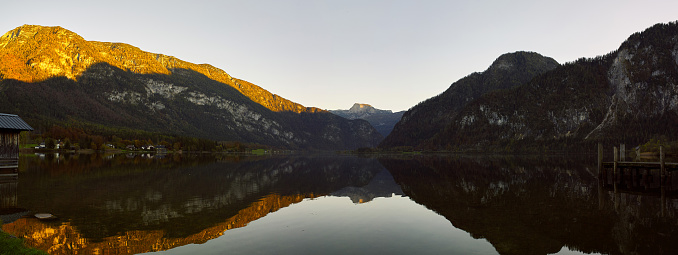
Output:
x,y
619,164
639,180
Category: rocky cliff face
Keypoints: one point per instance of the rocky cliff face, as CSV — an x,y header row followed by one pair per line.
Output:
x,y
382,120
627,96
643,78
52,76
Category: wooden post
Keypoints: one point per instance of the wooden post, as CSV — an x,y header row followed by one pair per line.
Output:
x,y
638,154
616,159
614,168
622,152
600,159
663,200
601,194
617,197
661,163
646,177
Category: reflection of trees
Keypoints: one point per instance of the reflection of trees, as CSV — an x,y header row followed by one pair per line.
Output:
x,y
173,200
536,205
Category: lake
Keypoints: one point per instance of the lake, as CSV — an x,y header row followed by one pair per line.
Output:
x,y
335,204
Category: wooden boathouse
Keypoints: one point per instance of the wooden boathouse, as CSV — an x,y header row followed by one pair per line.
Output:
x,y
10,127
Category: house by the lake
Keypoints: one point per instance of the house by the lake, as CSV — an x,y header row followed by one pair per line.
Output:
x,y
10,127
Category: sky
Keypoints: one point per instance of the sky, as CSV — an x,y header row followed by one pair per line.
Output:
x,y
391,54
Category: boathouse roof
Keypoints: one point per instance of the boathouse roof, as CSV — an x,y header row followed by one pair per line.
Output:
x,y
13,122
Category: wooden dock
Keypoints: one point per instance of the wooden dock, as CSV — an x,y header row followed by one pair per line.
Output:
x,y
619,162
636,177
642,165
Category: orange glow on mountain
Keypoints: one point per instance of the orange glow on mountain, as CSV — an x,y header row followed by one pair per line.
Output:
x,y
35,53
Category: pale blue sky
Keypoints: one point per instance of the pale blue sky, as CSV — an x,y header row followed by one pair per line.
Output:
x,y
330,54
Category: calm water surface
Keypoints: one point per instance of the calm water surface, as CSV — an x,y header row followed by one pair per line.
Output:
x,y
328,204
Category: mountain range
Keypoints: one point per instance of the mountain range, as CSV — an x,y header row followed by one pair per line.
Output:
x,y
51,76
382,120
525,101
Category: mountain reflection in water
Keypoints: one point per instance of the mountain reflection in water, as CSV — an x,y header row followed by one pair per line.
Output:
x,y
138,204
537,205
128,204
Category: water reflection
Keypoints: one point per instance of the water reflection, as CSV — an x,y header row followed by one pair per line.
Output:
x,y
8,189
538,205
335,225
9,210
125,204
381,185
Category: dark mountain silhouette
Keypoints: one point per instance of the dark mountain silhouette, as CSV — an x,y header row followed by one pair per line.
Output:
x,y
538,205
629,95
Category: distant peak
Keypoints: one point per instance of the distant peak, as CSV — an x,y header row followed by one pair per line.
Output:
x,y
356,108
520,59
29,30
36,33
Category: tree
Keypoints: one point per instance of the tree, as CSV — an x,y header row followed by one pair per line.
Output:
x,y
49,143
24,138
138,143
67,144
98,142
84,142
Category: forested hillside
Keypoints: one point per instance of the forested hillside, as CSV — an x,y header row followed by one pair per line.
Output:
x,y
423,121
628,96
53,77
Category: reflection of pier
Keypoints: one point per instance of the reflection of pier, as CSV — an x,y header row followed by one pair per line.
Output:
x,y
9,212
636,177
8,193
